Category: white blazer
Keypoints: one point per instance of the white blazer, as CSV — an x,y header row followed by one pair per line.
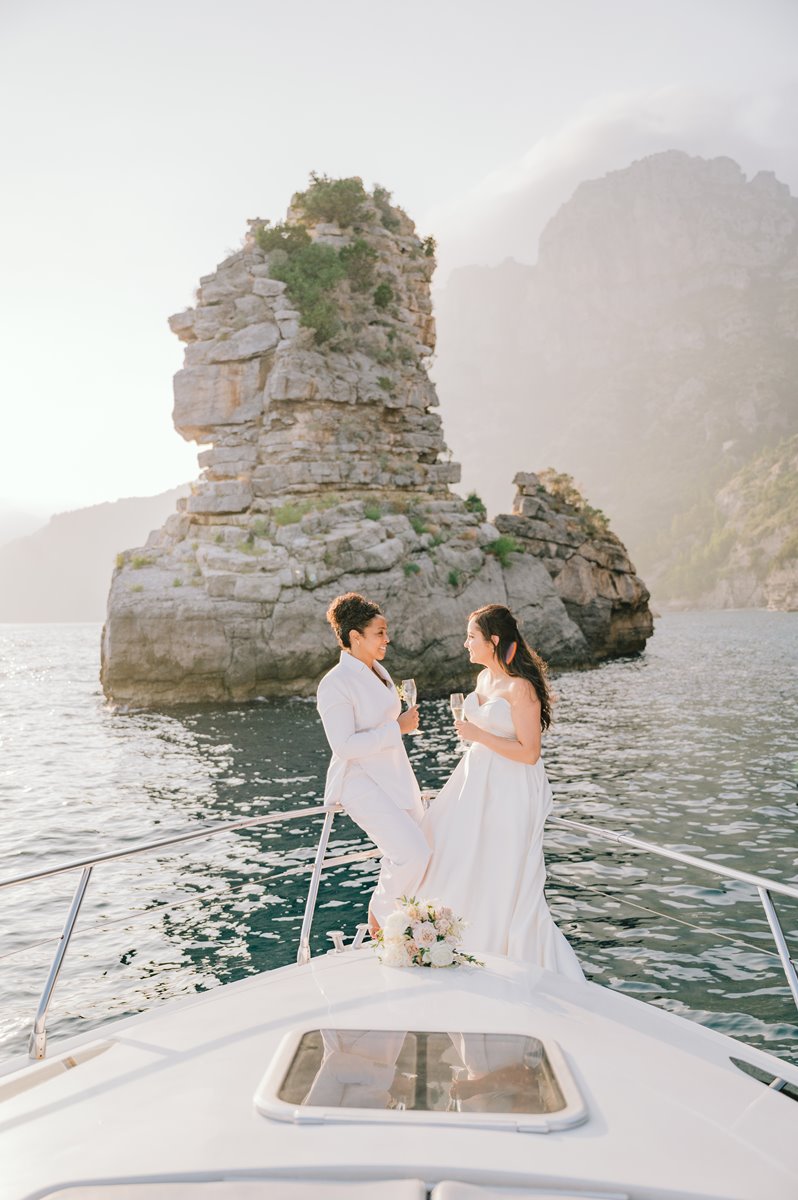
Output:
x,y
359,715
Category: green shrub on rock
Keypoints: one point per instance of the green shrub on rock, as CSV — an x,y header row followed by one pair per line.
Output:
x,y
502,548
333,200
282,237
322,317
288,514
358,260
309,271
382,199
383,295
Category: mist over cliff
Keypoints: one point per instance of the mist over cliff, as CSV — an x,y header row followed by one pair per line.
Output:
x,y
652,352
61,572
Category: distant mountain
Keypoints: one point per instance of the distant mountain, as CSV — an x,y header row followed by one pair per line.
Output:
x,y
63,571
652,352
16,524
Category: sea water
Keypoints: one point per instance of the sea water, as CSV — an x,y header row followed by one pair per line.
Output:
x,y
690,745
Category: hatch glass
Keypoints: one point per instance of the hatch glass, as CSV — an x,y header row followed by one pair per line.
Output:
x,y
421,1072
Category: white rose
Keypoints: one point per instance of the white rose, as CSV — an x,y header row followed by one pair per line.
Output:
x,y
440,955
395,924
393,954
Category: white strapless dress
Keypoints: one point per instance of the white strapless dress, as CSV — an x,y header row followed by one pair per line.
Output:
x,y
486,831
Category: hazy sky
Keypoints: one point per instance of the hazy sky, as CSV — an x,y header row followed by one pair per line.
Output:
x,y
138,137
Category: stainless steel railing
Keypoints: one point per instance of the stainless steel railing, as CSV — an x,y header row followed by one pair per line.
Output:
x,y
38,1039
764,887
37,1045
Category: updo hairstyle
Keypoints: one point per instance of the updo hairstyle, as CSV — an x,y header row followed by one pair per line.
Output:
x,y
515,654
351,612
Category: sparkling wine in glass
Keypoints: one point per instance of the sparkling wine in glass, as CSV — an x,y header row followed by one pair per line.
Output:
x,y
410,694
457,704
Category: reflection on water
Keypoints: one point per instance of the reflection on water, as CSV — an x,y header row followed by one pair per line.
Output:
x,y
691,745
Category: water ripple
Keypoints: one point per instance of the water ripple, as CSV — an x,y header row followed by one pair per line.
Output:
x,y
692,745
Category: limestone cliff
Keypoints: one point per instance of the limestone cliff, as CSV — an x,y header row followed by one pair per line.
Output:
x,y
740,550
652,350
325,470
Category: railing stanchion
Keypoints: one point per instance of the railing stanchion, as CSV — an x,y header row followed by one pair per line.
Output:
x,y
303,953
37,1046
780,940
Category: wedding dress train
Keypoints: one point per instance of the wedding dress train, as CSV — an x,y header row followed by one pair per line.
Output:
x,y
486,831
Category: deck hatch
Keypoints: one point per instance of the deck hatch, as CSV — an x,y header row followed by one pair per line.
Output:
x,y
358,1074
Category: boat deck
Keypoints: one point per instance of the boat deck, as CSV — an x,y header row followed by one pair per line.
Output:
x,y
170,1096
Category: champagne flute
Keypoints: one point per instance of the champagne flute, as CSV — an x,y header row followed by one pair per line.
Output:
x,y
410,694
458,1073
457,705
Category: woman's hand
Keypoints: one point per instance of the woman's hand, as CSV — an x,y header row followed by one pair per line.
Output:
x,y
408,720
468,731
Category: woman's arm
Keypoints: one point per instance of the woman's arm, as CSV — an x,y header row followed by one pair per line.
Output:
x,y
338,718
525,708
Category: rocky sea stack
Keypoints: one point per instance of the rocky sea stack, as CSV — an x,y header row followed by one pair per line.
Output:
x,y
305,375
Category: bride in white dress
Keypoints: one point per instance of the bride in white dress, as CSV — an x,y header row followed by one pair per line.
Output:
x,y
486,824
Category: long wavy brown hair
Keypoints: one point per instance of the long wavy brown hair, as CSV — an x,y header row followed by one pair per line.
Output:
x,y
515,654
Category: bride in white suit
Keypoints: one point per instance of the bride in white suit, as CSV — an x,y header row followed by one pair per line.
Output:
x,y
369,773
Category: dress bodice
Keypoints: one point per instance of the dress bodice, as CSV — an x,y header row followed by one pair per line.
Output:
x,y
493,715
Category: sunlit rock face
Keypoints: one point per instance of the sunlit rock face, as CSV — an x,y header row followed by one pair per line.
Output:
x,y
587,563
324,470
652,352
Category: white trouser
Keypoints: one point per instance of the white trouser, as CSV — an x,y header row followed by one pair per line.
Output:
x,y
397,834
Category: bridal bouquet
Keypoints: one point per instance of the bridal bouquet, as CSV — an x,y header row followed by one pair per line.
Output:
x,y
422,933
